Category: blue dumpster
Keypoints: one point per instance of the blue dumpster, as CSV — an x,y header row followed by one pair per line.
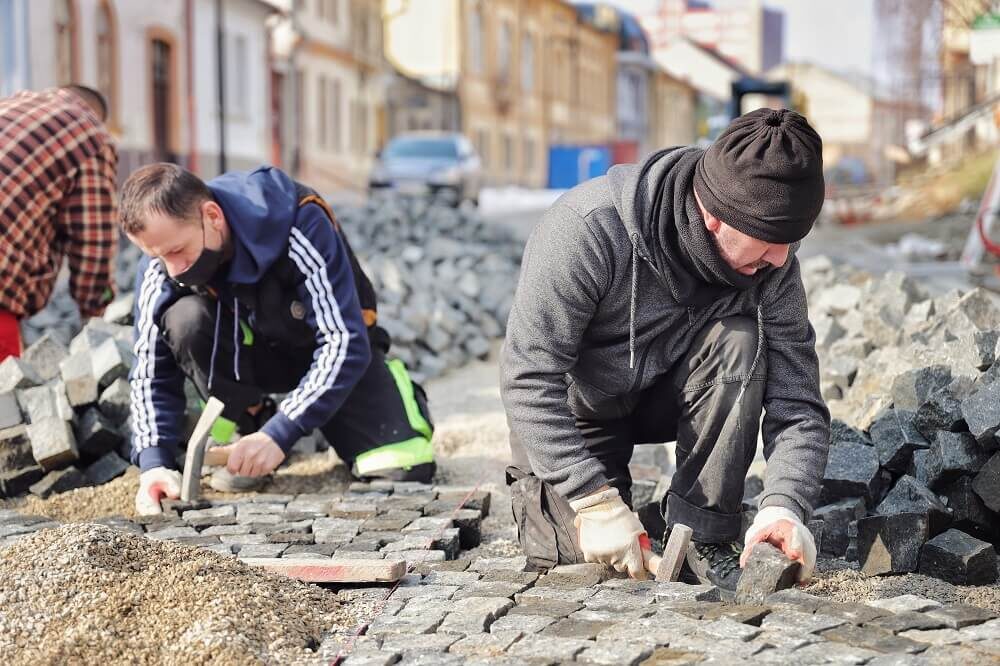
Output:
x,y
571,165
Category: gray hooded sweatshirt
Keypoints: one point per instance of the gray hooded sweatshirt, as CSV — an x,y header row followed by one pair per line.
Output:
x,y
617,280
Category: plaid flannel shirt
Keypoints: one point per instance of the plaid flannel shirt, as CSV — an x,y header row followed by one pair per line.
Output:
x,y
57,198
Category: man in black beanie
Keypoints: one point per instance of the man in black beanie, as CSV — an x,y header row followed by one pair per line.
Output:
x,y
664,302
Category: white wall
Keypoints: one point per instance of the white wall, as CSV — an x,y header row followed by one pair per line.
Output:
x,y
247,124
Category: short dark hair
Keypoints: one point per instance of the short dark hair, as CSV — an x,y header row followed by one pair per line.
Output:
x,y
92,97
161,188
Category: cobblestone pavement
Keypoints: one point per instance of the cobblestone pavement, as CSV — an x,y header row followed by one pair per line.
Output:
x,y
457,607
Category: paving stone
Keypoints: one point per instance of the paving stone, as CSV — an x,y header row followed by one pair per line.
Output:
x,y
484,564
960,559
419,556
199,540
556,608
640,586
517,622
221,515
494,644
786,640
357,555
469,524
52,443
943,409
969,513
951,455
981,412
613,653
795,622
247,540
911,496
448,499
111,360
575,575
526,578
911,389
407,645
572,628
381,524
405,625
446,542
660,629
986,631
16,374
615,600
987,483
59,481
854,613
827,652
893,443
906,603
676,591
871,638
251,550
96,435
44,356
107,467
361,545
320,549
480,589
957,616
797,600
19,481
172,533
426,591
474,614
426,524
115,401
891,544
767,570
293,537
315,507
852,470
352,510
78,375
934,636
463,578
899,622
727,629
41,402
835,519
335,530
226,530
403,503
10,411
534,647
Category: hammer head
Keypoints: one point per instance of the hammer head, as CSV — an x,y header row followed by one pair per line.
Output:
x,y
195,455
674,553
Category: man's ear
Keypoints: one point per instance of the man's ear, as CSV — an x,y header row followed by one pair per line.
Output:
x,y
213,213
712,223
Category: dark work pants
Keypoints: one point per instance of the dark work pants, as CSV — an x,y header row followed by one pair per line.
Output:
x,y
372,416
697,405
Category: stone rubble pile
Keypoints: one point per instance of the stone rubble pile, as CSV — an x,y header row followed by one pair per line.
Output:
x,y
912,483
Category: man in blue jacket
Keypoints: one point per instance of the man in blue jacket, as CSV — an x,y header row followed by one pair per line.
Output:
x,y
249,288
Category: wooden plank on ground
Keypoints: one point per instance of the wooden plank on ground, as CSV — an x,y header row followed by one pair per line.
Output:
x,y
312,570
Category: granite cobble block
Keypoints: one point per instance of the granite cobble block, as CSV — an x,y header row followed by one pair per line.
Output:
x,y
960,559
221,515
59,481
525,624
891,544
104,469
474,614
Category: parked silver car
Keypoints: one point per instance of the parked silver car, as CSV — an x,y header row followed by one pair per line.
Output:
x,y
443,165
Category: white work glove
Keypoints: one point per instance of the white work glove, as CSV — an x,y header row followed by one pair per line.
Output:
x,y
155,484
609,532
782,529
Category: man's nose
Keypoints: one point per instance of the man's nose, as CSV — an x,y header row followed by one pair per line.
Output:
x,y
776,255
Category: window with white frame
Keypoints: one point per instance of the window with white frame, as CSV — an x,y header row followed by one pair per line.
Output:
x,y
476,38
528,63
239,77
504,52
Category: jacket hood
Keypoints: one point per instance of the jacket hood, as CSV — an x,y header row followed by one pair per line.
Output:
x,y
260,208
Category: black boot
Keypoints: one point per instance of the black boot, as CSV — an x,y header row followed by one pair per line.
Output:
x,y
716,564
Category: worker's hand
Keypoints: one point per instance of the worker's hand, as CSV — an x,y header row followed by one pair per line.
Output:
x,y
609,532
782,529
154,485
254,455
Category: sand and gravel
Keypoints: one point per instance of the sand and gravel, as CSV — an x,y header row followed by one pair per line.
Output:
x,y
89,593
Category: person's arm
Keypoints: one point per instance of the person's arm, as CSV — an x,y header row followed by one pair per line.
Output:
x,y
332,309
89,221
157,382
796,428
563,275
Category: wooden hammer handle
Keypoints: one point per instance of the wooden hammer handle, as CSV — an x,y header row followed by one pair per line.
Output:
x,y
650,560
216,456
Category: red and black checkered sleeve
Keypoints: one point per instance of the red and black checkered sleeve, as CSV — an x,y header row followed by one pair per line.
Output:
x,y
91,222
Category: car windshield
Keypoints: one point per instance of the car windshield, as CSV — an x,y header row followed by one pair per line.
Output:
x,y
422,148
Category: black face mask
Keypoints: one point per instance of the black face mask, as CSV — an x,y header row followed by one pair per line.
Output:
x,y
204,267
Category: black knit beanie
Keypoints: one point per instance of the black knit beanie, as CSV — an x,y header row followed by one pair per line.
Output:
x,y
764,176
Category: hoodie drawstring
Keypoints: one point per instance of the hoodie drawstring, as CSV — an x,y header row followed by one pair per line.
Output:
x,y
236,341
631,304
215,344
753,366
